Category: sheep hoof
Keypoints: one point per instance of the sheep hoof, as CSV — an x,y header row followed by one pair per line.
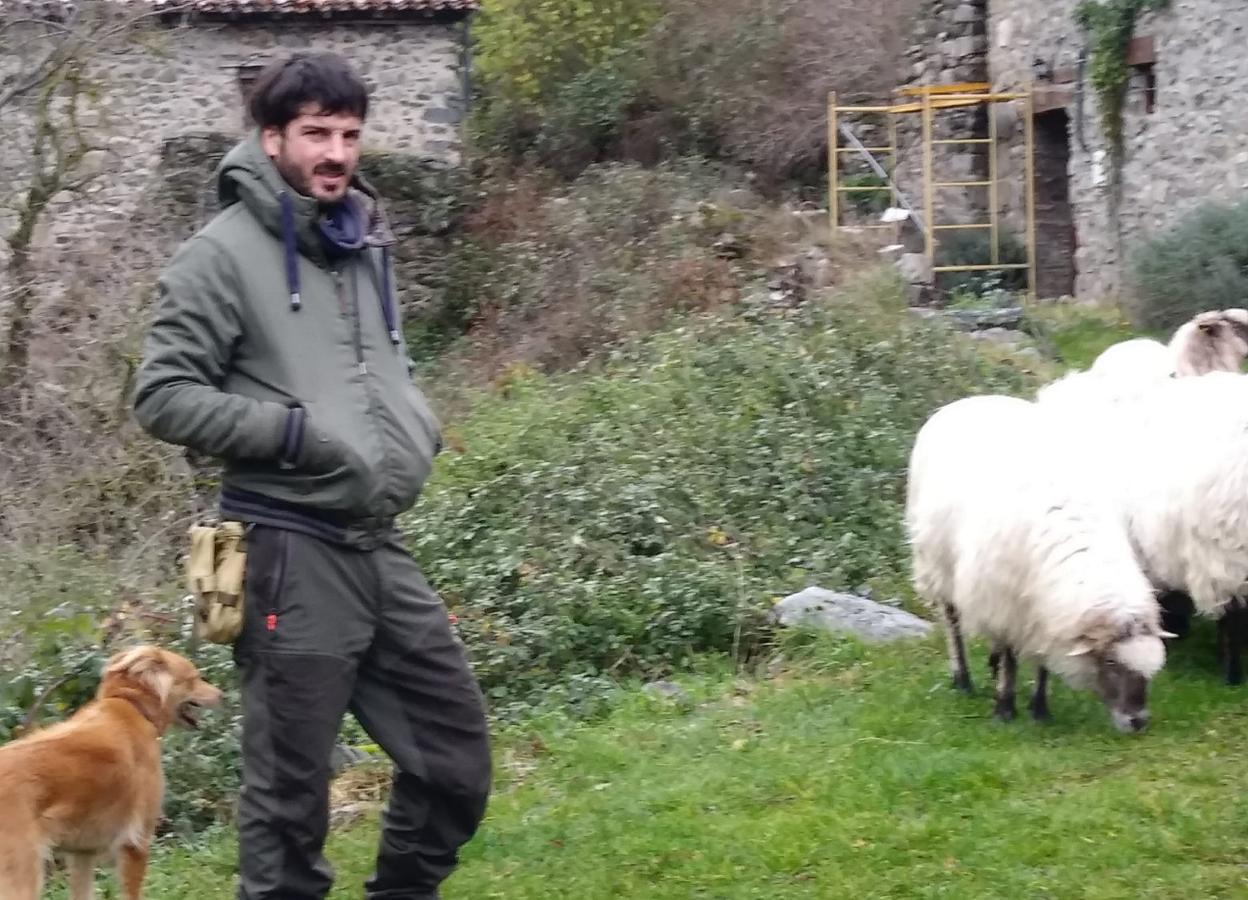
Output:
x,y
1234,677
1040,713
1004,711
962,682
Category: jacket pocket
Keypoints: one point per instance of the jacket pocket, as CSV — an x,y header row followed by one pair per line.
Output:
x,y
431,428
321,451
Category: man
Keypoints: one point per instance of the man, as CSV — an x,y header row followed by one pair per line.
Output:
x,y
277,348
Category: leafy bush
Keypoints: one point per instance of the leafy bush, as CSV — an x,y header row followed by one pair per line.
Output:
x,y
752,79
974,247
618,523
551,274
529,51
866,203
586,115
1200,264
548,275
572,84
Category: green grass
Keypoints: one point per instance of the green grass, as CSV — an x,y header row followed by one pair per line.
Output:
x,y
1078,334
864,776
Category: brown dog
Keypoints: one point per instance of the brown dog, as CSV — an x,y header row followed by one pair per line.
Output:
x,y
92,786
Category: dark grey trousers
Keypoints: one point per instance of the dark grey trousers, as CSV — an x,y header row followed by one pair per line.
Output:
x,y
330,628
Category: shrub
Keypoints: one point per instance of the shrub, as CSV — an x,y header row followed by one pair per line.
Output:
x,y
640,81
528,51
548,275
618,523
752,79
1199,264
974,247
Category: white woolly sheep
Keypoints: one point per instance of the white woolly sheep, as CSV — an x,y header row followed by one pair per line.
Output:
x,y
1215,341
1176,466
1009,541
1211,342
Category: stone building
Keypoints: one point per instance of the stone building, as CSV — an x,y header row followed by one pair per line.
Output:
x,y
188,68
1185,133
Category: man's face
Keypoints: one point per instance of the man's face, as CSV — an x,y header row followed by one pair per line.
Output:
x,y
316,154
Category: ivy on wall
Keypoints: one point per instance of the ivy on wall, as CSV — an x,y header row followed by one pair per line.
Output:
x,y
1110,26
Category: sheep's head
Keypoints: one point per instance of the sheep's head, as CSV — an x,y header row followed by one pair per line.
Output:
x,y
1119,661
1211,341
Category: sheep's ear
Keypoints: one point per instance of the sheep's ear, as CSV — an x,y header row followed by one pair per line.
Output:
x,y
1207,327
1082,648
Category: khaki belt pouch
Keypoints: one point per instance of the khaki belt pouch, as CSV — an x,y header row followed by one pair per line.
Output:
x,y
215,571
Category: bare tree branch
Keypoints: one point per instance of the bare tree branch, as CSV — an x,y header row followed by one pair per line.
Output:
x,y
76,40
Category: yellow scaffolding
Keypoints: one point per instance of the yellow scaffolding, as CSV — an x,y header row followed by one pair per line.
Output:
x,y
930,100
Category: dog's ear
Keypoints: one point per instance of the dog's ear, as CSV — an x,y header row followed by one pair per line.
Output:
x,y
144,665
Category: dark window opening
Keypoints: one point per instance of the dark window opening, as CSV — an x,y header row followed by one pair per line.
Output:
x,y
1148,85
1056,240
247,73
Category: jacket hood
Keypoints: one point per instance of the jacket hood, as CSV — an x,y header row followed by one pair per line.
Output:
x,y
246,175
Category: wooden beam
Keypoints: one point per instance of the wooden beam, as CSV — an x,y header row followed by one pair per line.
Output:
x,y
1046,98
1065,75
1141,51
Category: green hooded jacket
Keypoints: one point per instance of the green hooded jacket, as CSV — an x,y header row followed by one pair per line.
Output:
x,y
288,363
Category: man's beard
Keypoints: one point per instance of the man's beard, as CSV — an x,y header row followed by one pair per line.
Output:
x,y
296,180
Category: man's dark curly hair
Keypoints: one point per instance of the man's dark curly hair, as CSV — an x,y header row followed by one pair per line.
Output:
x,y
324,80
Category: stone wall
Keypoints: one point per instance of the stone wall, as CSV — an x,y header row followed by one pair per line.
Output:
x,y
949,47
172,81
1190,148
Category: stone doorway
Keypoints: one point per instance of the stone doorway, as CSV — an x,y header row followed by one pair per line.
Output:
x,y
1055,222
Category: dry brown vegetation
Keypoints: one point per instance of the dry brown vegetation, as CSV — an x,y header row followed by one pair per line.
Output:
x,y
738,80
761,72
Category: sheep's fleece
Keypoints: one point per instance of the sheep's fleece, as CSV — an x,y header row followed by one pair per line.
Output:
x,y
1008,526
1176,465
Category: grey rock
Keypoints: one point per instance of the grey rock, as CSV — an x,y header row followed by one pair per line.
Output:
x,y
443,116
668,690
737,198
729,246
343,757
1005,336
919,297
981,319
966,13
914,268
836,612
349,813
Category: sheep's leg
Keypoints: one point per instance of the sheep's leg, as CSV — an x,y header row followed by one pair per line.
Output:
x,y
957,650
1231,628
994,663
1040,699
1006,677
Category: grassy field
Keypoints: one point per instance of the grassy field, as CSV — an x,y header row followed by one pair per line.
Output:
x,y
855,772
1078,334
858,773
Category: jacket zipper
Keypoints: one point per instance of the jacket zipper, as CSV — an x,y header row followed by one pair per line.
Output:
x,y
354,306
373,410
